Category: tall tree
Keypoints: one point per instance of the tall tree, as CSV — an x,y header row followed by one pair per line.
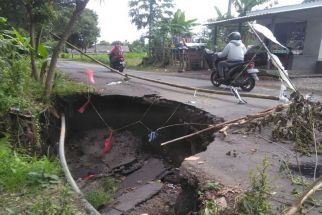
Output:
x,y
36,14
39,14
137,46
146,13
163,33
78,8
86,31
31,15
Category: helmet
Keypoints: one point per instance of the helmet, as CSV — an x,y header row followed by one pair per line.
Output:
x,y
234,36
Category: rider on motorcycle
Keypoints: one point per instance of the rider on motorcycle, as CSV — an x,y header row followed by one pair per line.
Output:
x,y
234,52
116,53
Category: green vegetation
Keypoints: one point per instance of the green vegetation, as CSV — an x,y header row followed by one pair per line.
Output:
x,y
207,195
210,207
255,201
99,198
19,172
214,186
132,60
25,180
110,185
300,124
63,86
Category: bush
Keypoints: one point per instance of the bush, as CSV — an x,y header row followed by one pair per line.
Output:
x,y
18,171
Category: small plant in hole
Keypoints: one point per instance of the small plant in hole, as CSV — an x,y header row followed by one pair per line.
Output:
x,y
255,201
216,186
207,196
295,179
210,207
110,185
98,199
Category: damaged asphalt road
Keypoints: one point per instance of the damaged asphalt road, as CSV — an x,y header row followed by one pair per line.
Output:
x,y
107,83
216,163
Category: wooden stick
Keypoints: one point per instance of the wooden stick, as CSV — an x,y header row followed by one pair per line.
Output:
x,y
230,123
313,188
250,95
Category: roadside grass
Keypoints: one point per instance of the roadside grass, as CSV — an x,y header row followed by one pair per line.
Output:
x,y
19,172
31,185
56,200
63,86
132,60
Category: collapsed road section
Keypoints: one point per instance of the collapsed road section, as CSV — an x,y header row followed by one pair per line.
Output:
x,y
113,151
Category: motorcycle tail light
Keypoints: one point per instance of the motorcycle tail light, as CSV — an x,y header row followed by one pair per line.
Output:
x,y
251,65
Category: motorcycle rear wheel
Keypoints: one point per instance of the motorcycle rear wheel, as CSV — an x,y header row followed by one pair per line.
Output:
x,y
214,79
121,68
248,84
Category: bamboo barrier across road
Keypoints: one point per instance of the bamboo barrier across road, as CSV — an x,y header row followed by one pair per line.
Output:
x,y
218,92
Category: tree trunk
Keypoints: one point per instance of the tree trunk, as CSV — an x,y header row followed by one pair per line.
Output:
x,y
39,35
150,29
163,52
33,51
51,71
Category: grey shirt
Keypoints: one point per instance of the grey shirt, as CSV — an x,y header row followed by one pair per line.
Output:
x,y
234,51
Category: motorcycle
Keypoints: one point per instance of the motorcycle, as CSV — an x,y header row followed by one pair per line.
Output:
x,y
118,63
243,75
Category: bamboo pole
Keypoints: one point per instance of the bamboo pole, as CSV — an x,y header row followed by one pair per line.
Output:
x,y
234,122
250,95
312,189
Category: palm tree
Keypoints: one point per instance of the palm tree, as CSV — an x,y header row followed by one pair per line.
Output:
x,y
179,26
244,6
166,29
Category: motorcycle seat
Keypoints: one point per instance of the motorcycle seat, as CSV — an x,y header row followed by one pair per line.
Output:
x,y
234,64
233,68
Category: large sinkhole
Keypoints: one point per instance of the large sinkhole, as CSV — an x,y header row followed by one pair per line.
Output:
x,y
138,175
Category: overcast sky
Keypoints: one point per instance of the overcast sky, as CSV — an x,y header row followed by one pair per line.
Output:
x,y
115,23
